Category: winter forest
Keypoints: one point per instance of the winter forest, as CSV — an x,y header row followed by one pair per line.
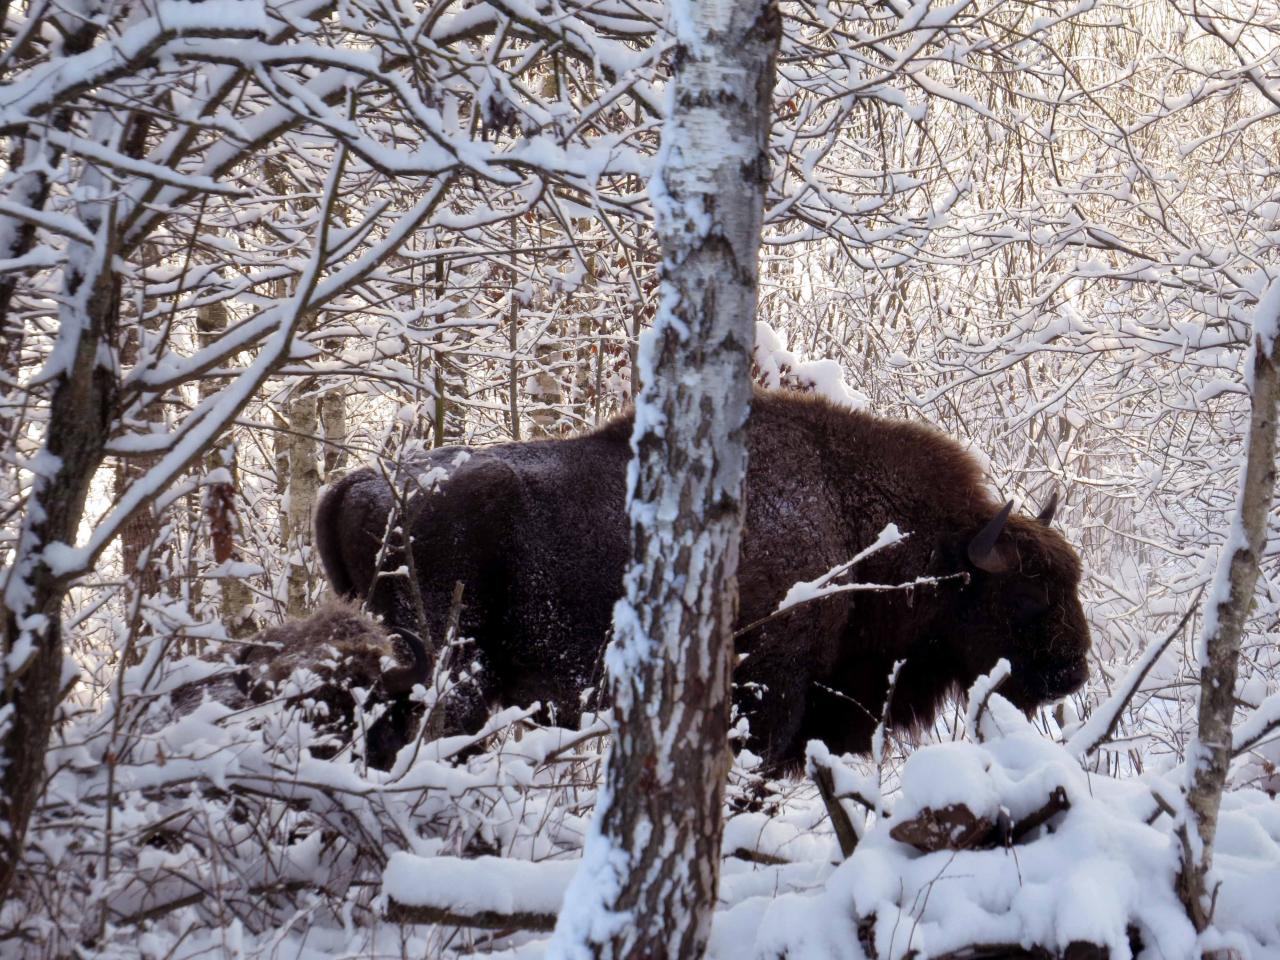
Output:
x,y
256,703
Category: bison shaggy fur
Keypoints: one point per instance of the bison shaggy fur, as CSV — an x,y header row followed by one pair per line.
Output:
x,y
537,532
315,664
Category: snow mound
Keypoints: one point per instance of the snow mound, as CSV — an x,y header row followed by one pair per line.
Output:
x,y
781,369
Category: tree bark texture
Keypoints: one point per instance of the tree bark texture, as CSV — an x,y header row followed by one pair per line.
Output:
x,y
1209,755
303,415
651,869
83,397
222,495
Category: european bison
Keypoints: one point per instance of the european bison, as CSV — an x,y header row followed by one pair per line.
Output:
x,y
317,663
537,533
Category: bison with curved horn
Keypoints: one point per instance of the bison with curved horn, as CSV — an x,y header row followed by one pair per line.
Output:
x,y
537,533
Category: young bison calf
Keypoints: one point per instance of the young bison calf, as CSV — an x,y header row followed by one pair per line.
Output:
x,y
316,663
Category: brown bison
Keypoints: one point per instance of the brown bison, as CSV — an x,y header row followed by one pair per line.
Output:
x,y
537,533
316,664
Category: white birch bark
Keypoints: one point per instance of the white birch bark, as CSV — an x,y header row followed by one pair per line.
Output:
x,y
651,866
1209,755
303,415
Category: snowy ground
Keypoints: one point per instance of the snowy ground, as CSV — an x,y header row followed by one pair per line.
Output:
x,y
226,838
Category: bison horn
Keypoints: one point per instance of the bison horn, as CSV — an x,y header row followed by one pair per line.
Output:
x,y
401,680
1045,516
982,547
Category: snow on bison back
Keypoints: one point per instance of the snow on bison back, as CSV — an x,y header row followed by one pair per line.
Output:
x,y
537,533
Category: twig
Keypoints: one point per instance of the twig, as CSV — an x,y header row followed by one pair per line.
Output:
x,y
1250,733
1057,803
868,804
1088,738
1162,806
989,684
190,899
1004,951
757,856
877,738
844,588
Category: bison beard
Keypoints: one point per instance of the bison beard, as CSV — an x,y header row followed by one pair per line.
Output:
x,y
537,533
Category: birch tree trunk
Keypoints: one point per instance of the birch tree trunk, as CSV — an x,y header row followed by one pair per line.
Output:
x,y
651,866
1209,755
333,421
302,411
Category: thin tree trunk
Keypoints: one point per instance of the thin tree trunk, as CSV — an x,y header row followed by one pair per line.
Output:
x,y
139,535
648,883
30,188
333,421
1209,756
513,345
302,414
447,423
16,237
221,497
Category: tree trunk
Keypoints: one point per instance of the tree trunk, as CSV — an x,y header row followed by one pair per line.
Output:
x,y
1209,755
220,499
30,187
139,536
29,190
333,421
648,883
302,413
80,415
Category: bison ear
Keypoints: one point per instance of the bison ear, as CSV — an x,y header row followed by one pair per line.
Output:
x,y
983,553
1045,516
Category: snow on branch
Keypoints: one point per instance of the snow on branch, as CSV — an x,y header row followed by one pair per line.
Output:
x,y
806,591
614,56
810,591
211,418
1102,722
1261,723
62,78
980,696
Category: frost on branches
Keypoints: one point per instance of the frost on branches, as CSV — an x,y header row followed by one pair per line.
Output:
x,y
242,241
219,830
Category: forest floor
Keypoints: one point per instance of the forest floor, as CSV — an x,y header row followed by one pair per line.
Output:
x,y
218,833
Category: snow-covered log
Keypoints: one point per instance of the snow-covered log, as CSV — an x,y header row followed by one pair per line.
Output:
x,y
485,892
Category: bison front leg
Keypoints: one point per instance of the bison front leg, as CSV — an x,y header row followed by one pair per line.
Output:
x,y
773,699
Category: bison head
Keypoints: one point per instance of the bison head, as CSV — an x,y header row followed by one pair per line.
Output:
x,y
1021,603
